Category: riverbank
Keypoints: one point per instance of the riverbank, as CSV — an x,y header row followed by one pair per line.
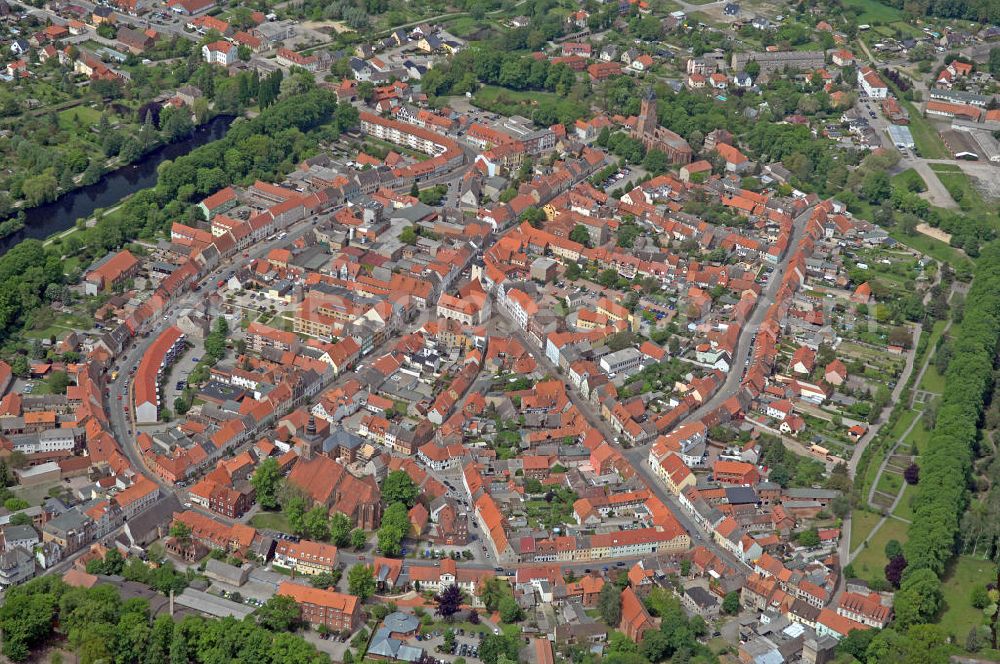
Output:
x,y
45,221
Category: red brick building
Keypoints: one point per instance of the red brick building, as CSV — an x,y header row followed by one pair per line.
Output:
x,y
324,607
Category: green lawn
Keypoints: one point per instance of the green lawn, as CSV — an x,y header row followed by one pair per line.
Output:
x,y
903,509
873,11
870,563
271,521
862,523
869,477
889,482
512,102
60,326
463,26
964,572
909,180
929,143
936,331
86,117
961,189
919,438
702,17
902,423
932,381
936,249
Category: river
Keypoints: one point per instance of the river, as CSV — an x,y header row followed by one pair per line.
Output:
x,y
60,215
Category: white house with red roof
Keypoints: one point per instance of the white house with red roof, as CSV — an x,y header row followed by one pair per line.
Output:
x,y
219,52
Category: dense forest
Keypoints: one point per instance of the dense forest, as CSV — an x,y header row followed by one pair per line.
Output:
x,y
101,627
983,11
944,469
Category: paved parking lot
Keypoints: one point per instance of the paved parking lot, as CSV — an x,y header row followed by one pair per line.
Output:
x,y
180,371
431,647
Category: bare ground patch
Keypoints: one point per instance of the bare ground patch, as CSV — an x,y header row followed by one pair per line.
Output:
x,y
935,233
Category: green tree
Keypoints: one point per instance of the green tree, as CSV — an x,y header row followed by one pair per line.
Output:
x,y
808,538
317,523
358,538
340,529
266,482
408,235
26,618
534,216
510,611
39,188
58,382
295,511
361,581
325,580
856,643
395,526
398,487
979,598
918,599
656,646
580,234
656,162
495,646
876,186
181,532
279,614
609,604
731,604
15,504
494,589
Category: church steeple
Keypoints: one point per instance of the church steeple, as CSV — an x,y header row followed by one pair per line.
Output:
x,y
647,123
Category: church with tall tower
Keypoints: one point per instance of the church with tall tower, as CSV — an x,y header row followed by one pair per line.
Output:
x,y
654,137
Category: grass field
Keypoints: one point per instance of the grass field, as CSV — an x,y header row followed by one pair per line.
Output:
x,y
936,331
862,523
936,249
702,17
903,509
965,572
929,143
60,326
909,180
932,381
873,11
890,483
902,423
463,26
870,563
85,116
918,437
271,521
961,189
512,102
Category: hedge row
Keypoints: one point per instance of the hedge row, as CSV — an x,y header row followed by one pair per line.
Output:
x,y
943,494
